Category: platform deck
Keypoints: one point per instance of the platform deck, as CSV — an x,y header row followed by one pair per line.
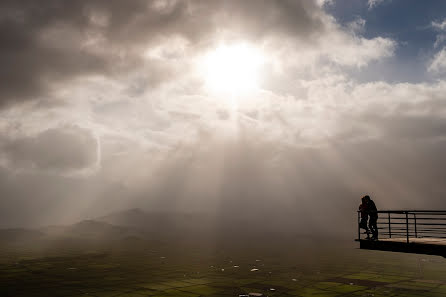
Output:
x,y
430,246
435,241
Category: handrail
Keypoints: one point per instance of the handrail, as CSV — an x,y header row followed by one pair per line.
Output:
x,y
411,211
409,224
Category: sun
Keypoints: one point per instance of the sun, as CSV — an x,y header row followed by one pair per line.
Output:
x,y
233,69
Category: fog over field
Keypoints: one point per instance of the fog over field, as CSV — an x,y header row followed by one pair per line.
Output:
x,y
272,115
220,148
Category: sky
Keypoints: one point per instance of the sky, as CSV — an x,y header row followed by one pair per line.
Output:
x,y
254,108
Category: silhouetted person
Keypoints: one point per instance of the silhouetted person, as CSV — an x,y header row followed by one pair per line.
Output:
x,y
373,216
364,217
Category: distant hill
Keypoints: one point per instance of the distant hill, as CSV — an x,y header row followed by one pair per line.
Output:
x,y
159,223
91,229
135,225
129,225
19,234
134,217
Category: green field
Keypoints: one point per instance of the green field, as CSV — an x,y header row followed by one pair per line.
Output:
x,y
144,268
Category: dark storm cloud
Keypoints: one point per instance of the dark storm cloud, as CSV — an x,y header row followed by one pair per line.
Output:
x,y
58,149
45,43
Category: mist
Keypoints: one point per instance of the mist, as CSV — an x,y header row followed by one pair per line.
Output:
x,y
104,108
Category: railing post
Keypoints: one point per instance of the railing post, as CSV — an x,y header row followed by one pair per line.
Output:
x,y
359,227
415,221
407,227
390,228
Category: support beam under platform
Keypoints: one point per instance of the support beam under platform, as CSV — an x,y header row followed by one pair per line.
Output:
x,y
429,246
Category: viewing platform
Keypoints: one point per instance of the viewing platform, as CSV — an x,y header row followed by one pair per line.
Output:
x,y
408,231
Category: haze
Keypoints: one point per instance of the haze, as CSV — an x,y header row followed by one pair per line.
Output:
x,y
112,105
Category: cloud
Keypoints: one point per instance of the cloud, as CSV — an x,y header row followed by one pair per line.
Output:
x,y
439,25
100,41
103,107
438,64
53,42
357,26
441,28
374,3
338,140
59,150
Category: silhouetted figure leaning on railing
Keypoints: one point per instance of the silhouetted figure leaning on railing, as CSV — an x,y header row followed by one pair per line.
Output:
x,y
364,217
372,211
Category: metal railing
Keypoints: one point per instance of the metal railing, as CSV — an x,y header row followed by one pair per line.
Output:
x,y
409,224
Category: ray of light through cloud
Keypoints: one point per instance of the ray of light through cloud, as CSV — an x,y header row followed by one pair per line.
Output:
x,y
224,107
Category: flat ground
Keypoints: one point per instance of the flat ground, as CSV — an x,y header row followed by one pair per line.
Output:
x,y
143,268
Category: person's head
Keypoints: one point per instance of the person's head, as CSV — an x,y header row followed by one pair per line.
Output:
x,y
366,198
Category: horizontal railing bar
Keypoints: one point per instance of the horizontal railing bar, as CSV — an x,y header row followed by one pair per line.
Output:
x,y
428,213
411,211
392,218
396,223
413,229
432,223
401,229
413,232
385,220
427,219
397,236
412,218
432,231
404,237
413,224
436,227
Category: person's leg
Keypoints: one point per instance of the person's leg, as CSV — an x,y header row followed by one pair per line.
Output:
x,y
373,227
376,228
363,225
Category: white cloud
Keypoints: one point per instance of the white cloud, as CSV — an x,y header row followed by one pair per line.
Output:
x,y
159,116
441,37
357,26
149,115
439,25
324,2
67,150
348,47
359,51
373,3
438,64
339,47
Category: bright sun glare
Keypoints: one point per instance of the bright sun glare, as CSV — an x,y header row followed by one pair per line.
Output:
x,y
233,69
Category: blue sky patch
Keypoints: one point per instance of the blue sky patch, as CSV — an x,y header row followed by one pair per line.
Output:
x,y
408,22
